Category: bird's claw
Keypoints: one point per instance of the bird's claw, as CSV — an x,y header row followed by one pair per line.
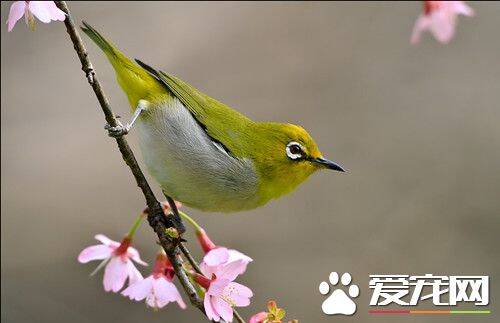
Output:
x,y
118,131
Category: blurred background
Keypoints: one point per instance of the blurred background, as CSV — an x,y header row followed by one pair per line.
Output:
x,y
417,127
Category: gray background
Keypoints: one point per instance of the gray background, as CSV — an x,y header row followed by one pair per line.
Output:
x,y
417,126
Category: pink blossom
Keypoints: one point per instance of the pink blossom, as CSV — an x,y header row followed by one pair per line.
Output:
x,y
157,289
440,18
45,11
118,260
258,318
216,256
223,293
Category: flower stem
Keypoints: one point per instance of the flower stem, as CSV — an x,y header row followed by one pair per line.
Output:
x,y
136,225
191,221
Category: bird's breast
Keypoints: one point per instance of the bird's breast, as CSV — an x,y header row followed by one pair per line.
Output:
x,y
189,166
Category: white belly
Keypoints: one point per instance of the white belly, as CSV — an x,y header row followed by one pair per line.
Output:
x,y
187,164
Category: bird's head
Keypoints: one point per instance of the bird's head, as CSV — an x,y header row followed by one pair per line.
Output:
x,y
287,155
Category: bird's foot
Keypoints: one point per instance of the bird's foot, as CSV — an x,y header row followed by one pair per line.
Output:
x,y
121,130
118,131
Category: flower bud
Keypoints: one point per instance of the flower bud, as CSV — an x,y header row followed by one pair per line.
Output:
x,y
205,242
202,280
260,317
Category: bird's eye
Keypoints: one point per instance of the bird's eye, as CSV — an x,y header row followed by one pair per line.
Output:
x,y
294,151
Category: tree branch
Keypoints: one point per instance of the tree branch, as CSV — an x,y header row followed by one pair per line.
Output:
x,y
157,219
189,257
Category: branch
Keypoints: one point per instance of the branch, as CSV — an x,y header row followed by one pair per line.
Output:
x,y
156,217
190,258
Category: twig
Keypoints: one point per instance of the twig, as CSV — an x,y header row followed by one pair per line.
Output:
x,y
186,284
192,262
156,216
238,317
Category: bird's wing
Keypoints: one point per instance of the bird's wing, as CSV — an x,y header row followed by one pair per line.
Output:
x,y
224,125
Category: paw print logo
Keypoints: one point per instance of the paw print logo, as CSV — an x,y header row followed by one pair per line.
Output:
x,y
339,302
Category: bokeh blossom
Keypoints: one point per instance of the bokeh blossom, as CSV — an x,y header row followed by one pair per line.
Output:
x,y
440,18
117,258
45,11
157,289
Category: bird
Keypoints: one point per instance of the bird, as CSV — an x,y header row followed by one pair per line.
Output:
x,y
203,153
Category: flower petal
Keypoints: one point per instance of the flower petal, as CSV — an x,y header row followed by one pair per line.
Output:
x,y
115,274
46,11
239,290
95,252
106,241
217,256
231,270
16,12
134,255
217,287
39,9
55,13
422,24
460,7
180,302
152,301
209,310
236,255
223,308
134,275
443,25
238,294
207,270
139,290
166,292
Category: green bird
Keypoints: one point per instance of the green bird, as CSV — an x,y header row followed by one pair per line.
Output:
x,y
203,153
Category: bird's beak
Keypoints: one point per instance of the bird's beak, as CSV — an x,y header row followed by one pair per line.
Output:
x,y
328,164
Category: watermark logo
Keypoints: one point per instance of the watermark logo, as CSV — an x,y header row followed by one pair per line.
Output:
x,y
399,294
338,301
406,291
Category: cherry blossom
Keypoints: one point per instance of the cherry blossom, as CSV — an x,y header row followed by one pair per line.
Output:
x,y
45,11
223,294
218,256
157,289
440,19
117,257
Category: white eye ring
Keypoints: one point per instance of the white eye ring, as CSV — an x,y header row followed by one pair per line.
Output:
x,y
294,155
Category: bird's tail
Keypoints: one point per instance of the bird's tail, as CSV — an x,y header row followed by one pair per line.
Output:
x,y
135,81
